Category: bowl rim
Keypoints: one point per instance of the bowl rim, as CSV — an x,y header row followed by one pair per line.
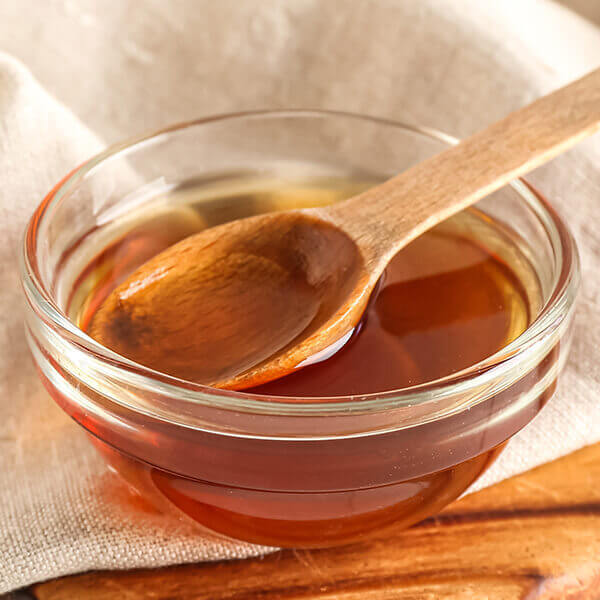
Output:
x,y
477,376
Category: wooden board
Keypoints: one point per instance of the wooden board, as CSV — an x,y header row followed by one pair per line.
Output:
x,y
536,536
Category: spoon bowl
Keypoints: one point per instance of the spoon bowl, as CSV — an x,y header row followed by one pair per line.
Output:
x,y
289,274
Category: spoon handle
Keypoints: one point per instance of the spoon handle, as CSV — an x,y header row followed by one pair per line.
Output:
x,y
387,217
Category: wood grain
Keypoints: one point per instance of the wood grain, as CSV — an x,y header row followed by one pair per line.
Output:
x,y
533,537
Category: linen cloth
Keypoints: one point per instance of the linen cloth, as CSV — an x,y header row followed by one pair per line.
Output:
x,y
78,74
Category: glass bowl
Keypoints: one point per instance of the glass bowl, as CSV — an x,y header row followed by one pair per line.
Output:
x,y
293,472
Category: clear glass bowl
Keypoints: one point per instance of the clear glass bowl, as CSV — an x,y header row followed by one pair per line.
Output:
x,y
296,472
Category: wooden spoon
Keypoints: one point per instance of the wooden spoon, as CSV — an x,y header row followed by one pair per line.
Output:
x,y
251,300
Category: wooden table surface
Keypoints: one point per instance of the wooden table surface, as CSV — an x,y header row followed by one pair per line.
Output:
x,y
536,536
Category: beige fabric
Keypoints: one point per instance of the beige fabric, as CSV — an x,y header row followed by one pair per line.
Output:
x,y
118,67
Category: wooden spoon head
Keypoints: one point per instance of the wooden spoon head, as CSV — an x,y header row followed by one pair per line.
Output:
x,y
239,304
